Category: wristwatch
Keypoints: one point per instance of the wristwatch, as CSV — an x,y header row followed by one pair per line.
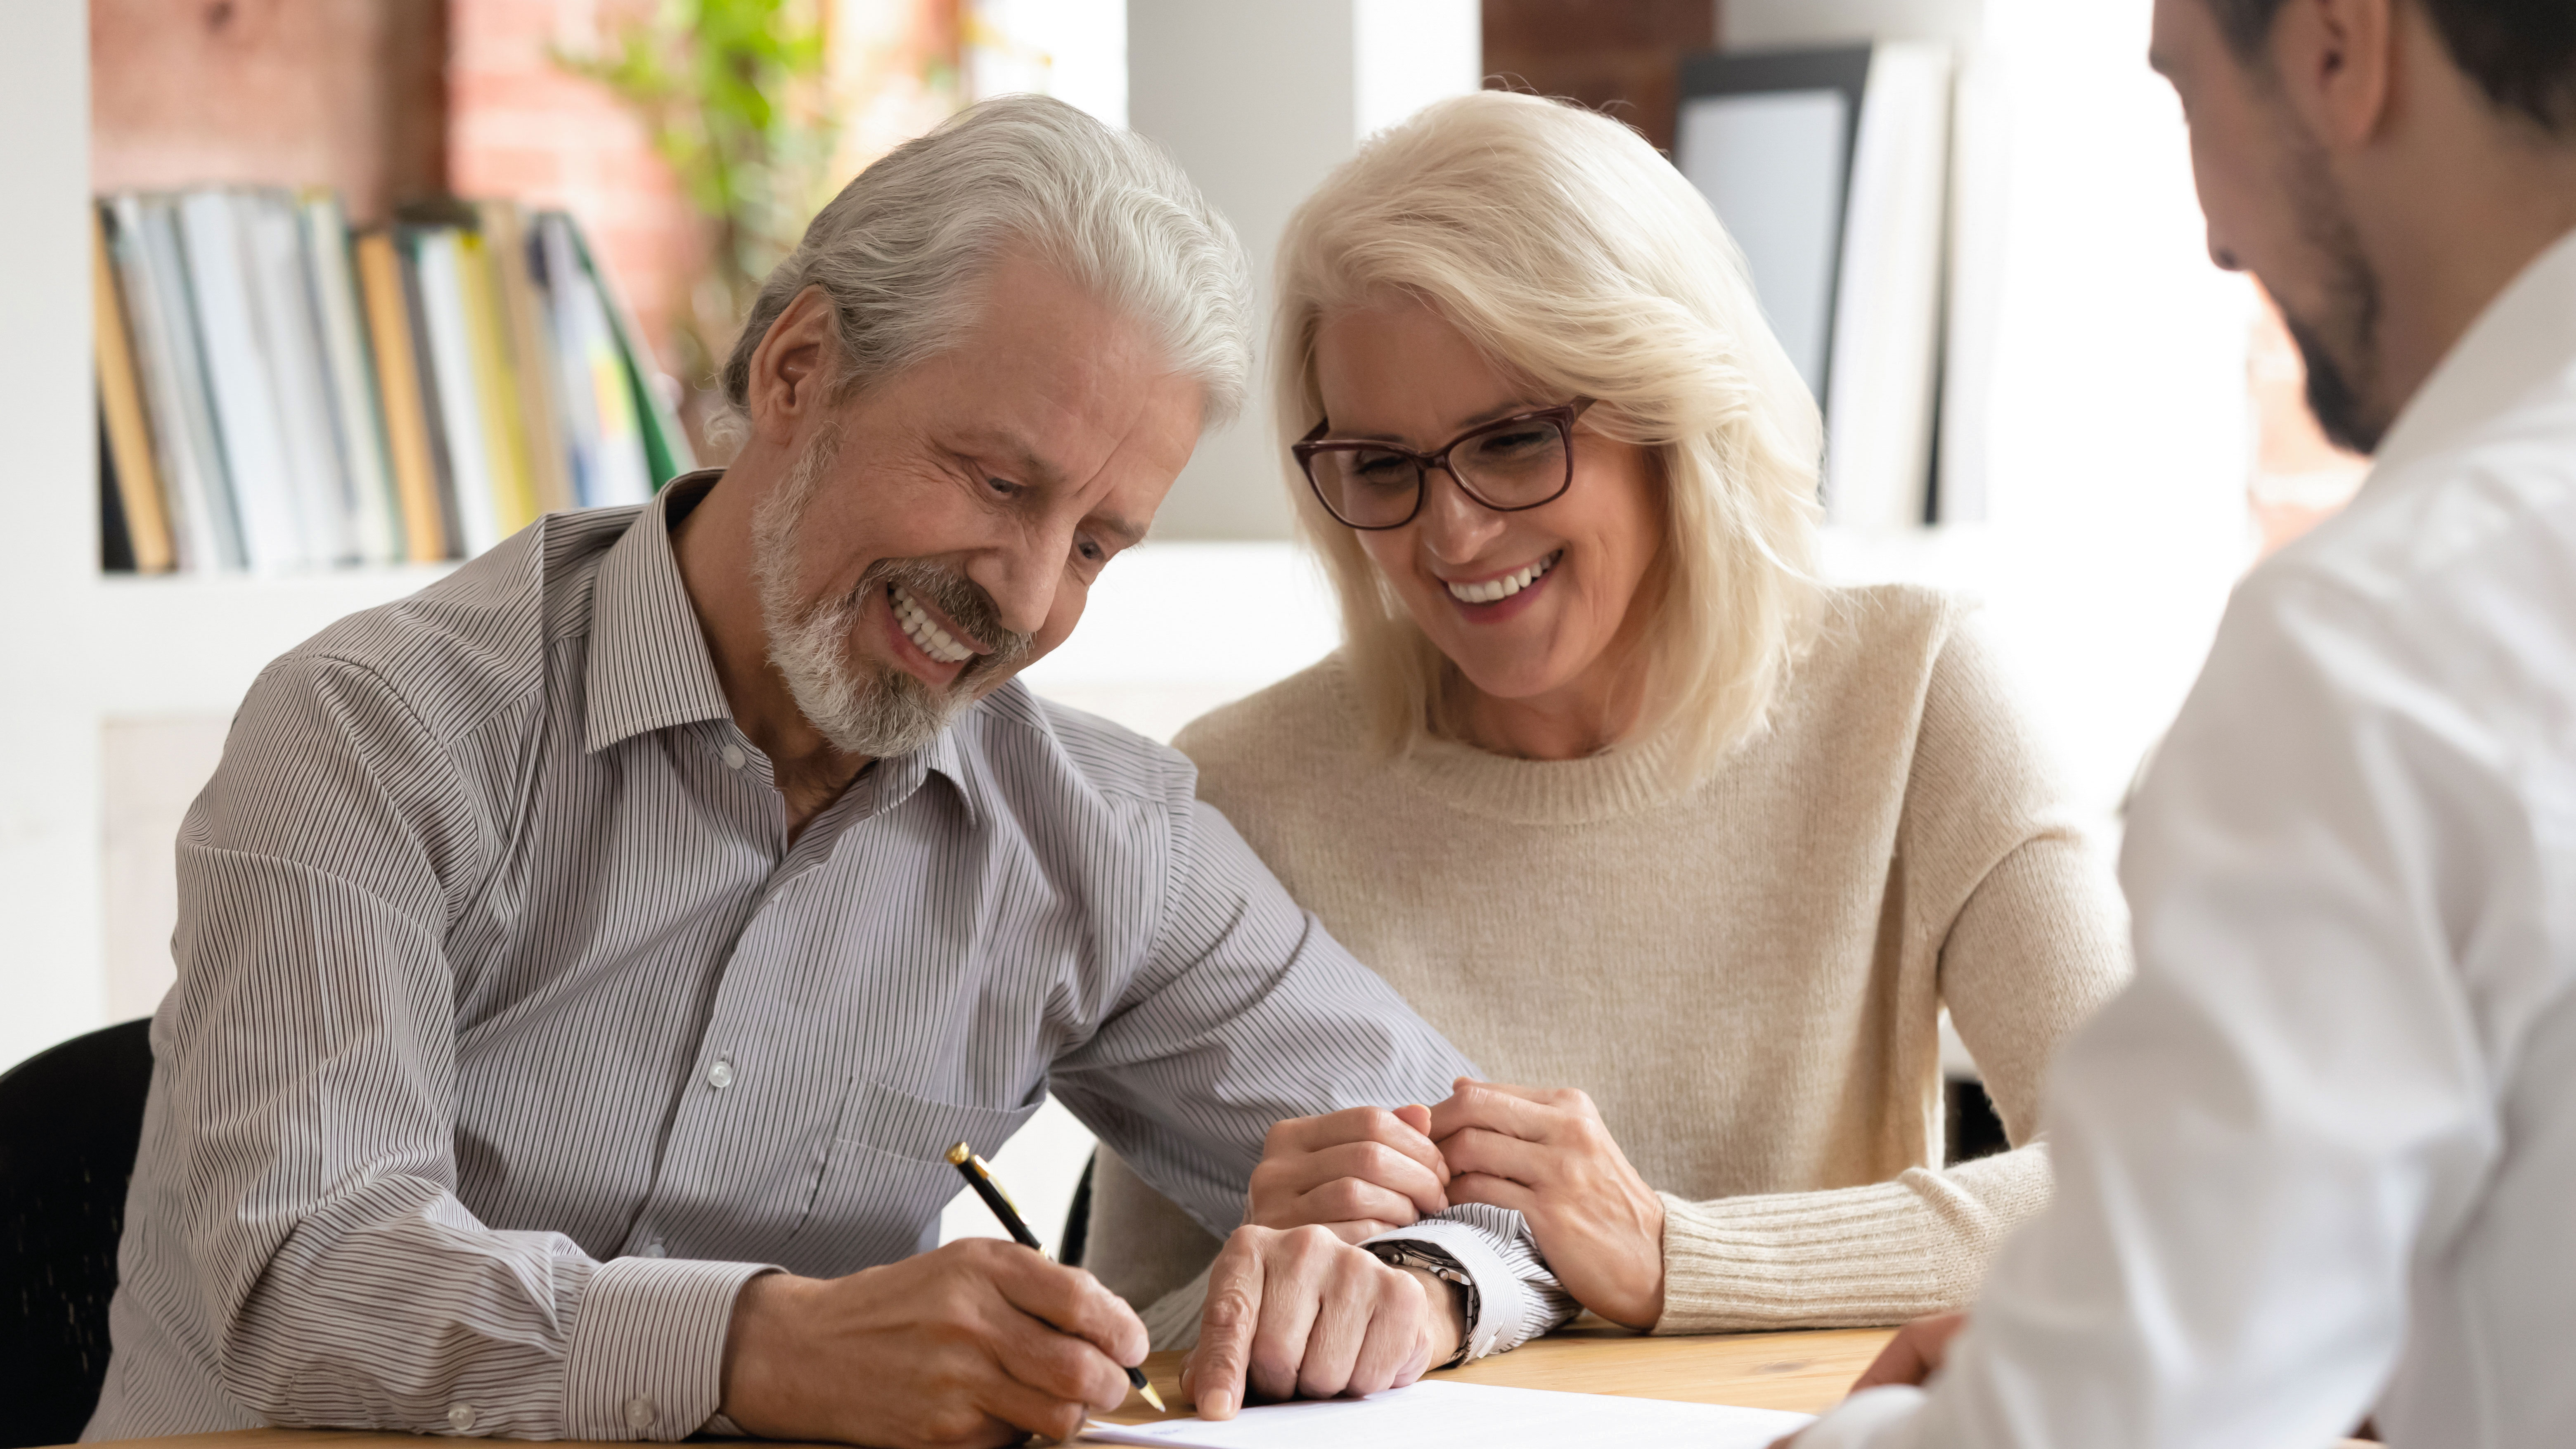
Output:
x,y
1440,1265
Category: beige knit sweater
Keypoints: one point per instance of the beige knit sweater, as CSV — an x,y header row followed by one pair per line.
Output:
x,y
1746,976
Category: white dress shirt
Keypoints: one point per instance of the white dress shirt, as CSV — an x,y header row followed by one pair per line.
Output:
x,y
2320,1159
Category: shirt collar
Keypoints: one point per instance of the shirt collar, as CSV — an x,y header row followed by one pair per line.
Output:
x,y
2525,339
649,668
896,779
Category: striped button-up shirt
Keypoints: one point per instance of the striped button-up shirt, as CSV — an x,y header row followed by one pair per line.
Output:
x,y
513,1032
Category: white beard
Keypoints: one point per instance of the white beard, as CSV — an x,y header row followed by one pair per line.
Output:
x,y
877,711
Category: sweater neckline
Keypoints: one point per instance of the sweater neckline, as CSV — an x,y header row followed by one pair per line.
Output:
x,y
1621,780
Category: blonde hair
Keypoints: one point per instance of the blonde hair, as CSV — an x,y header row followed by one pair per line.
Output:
x,y
1566,249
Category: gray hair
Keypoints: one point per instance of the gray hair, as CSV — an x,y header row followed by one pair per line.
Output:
x,y
901,249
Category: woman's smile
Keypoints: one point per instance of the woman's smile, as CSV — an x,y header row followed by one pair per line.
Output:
x,y
1491,597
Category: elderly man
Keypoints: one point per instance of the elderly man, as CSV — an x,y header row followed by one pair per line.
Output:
x,y
647,906
2318,1161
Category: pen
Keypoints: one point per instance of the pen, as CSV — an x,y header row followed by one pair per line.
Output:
x,y
979,1176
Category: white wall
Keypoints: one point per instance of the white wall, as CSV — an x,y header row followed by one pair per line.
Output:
x,y
1259,100
49,843
2109,405
2120,428
1073,50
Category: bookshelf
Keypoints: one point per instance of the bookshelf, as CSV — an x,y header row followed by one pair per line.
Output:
x,y
84,648
207,636
116,678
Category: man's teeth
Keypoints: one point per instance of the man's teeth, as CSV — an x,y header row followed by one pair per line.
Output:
x,y
926,636
1492,590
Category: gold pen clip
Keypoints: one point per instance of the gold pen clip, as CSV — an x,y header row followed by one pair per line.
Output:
x,y
964,1153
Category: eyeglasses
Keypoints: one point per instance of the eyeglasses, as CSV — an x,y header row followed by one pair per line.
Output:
x,y
1518,462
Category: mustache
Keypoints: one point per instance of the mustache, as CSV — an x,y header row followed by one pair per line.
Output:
x,y
961,599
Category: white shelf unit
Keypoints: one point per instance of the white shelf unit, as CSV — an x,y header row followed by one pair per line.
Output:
x,y
206,636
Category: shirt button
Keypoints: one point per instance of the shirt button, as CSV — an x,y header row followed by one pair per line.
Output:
x,y
460,1417
720,1076
734,757
639,1414
654,1249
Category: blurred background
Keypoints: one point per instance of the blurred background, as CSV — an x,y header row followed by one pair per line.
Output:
x,y
1975,216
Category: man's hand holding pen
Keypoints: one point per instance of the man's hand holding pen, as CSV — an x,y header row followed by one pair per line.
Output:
x,y
983,1341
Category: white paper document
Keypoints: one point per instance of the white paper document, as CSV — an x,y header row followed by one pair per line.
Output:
x,y
1436,1412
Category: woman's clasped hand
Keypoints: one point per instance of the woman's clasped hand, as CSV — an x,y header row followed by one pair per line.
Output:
x,y
1542,1153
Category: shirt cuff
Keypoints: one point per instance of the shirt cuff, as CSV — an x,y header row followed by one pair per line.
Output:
x,y
1507,1313
647,1354
1885,1417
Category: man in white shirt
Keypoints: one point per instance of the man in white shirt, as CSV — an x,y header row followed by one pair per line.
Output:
x,y
2320,1160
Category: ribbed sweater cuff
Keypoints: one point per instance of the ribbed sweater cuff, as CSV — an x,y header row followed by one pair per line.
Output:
x,y
1850,1258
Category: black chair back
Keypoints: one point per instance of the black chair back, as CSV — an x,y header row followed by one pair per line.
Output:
x,y
69,1121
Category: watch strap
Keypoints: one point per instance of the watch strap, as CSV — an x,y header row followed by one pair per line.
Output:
x,y
1441,1265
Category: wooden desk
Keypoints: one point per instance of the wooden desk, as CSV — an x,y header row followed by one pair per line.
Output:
x,y
1806,1372
1802,1371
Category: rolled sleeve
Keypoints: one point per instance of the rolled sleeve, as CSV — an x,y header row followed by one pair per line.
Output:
x,y
647,1354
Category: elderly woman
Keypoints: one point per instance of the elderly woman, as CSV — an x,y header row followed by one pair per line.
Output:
x,y
1610,787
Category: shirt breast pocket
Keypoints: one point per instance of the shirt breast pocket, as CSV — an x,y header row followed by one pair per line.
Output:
x,y
887,1176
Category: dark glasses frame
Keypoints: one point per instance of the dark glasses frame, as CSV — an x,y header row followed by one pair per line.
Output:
x,y
1560,417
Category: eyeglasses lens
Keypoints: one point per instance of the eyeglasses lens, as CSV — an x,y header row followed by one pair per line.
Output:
x,y
1367,488
1519,466
1515,467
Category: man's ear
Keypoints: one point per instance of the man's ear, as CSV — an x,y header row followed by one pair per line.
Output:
x,y
791,370
2337,64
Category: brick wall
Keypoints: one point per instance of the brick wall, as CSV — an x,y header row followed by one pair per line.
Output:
x,y
269,92
521,126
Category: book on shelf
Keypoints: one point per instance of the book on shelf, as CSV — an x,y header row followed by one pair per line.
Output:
x,y
125,448
278,392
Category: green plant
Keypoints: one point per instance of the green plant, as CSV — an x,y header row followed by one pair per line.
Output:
x,y
734,91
